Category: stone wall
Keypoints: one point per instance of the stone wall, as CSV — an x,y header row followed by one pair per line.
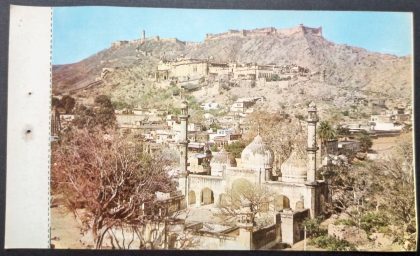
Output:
x,y
265,32
265,238
291,225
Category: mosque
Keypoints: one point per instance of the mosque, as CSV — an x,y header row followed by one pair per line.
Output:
x,y
296,193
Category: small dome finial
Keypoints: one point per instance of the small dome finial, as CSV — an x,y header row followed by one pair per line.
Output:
x,y
312,107
312,104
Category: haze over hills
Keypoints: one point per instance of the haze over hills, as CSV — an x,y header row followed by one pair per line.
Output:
x,y
348,70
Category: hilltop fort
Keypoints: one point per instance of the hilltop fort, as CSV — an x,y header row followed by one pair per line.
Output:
x,y
270,31
266,32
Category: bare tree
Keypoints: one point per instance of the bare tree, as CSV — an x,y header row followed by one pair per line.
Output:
x,y
159,230
109,177
279,131
396,189
384,186
257,199
349,186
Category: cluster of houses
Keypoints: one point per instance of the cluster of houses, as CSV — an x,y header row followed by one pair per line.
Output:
x,y
387,119
159,130
187,72
209,172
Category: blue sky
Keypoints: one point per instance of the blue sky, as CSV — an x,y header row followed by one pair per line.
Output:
x,y
79,32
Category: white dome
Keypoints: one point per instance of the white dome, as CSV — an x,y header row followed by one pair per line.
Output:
x,y
294,168
257,155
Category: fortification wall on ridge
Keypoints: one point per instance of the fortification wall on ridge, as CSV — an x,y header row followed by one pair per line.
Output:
x,y
265,32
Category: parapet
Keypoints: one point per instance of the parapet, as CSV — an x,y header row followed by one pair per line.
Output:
x,y
119,43
265,32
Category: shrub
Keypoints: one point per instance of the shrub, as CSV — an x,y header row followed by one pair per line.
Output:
x,y
373,221
236,148
365,142
332,244
215,126
347,222
121,105
214,148
312,227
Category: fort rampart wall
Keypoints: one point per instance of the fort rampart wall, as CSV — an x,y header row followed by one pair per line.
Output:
x,y
265,31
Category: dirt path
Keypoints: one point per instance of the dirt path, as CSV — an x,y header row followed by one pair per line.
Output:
x,y
65,230
299,247
384,145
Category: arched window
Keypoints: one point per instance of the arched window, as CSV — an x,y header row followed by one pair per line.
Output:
x,y
207,196
281,202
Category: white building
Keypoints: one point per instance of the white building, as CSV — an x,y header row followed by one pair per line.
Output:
x,y
210,106
296,194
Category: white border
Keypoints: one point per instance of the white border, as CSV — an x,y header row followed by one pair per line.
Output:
x,y
28,128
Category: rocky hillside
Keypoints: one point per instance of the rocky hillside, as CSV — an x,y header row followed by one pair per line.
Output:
x,y
133,65
344,65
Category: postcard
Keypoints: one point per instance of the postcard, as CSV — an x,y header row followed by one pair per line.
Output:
x,y
204,129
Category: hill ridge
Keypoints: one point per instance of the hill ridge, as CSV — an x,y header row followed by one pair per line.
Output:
x,y
344,66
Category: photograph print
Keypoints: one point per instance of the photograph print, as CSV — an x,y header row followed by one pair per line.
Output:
x,y
199,129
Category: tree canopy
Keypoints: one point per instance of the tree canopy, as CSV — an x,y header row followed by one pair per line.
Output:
x,y
101,115
378,195
365,141
108,176
281,133
66,102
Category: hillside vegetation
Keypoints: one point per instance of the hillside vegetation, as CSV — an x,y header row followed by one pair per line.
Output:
x,y
349,71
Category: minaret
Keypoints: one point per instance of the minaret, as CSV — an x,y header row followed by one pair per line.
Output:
x,y
143,35
312,147
183,146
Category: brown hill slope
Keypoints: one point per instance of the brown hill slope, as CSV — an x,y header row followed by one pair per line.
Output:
x,y
344,66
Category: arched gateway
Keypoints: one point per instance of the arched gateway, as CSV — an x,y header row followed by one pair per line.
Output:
x,y
207,196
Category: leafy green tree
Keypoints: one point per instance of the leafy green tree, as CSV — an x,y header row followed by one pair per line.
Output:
x,y
236,148
365,141
215,126
68,103
105,112
55,102
342,131
214,148
325,133
84,117
101,115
